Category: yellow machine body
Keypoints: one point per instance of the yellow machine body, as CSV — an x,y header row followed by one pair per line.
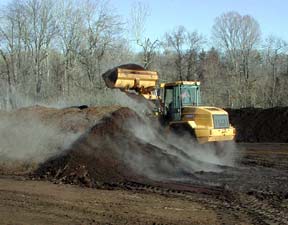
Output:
x,y
201,120
208,124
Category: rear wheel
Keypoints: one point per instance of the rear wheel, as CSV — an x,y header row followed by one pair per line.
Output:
x,y
183,130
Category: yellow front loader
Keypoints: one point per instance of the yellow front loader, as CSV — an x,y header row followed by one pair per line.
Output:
x,y
183,112
179,106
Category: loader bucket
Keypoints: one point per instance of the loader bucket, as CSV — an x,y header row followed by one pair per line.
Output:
x,y
130,77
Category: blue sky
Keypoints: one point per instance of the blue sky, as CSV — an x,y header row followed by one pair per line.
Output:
x,y
199,15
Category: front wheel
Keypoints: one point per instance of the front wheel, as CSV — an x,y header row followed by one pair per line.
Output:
x,y
183,130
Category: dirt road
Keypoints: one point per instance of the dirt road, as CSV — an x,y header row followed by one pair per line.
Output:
x,y
38,202
259,197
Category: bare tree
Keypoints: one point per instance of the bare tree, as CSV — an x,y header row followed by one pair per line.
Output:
x,y
212,77
53,49
275,49
225,32
40,28
175,41
238,35
139,14
11,47
149,51
194,42
71,26
186,46
102,29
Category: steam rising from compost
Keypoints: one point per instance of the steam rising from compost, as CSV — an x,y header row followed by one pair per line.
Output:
x,y
120,145
192,156
31,140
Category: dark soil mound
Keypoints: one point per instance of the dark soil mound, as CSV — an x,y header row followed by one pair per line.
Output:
x,y
260,125
110,153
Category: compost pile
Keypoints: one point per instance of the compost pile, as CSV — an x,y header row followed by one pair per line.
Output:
x,y
260,125
107,150
70,119
109,153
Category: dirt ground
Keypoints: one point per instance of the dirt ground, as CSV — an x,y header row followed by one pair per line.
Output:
x,y
262,199
111,165
38,202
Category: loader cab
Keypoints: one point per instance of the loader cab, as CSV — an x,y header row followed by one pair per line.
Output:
x,y
179,95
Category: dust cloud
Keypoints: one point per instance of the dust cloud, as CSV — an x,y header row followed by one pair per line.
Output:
x,y
29,139
156,153
192,156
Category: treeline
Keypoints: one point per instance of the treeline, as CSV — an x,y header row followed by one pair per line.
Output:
x,y
55,51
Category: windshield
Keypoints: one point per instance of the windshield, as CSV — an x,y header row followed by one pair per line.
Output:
x,y
190,95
